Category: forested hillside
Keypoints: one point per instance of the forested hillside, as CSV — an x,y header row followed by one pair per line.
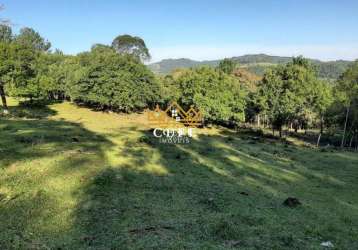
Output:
x,y
256,64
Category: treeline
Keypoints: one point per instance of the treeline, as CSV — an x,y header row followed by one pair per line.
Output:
x,y
113,77
107,77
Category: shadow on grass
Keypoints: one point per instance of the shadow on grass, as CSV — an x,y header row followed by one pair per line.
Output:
x,y
311,137
219,191
32,139
42,162
27,111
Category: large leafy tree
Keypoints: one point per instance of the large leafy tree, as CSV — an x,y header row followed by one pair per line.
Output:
x,y
28,61
276,98
218,95
31,38
108,80
285,93
132,45
20,79
17,67
17,71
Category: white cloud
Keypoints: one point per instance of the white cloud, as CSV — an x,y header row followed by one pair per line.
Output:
x,y
195,52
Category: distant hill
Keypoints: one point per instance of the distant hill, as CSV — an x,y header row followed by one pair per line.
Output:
x,y
256,64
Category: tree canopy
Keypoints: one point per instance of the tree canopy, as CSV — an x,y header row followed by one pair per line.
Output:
x,y
132,45
110,80
218,95
30,37
287,93
227,66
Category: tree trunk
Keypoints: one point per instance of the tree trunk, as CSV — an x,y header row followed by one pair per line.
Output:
x,y
3,99
318,139
258,120
320,131
351,141
280,131
266,121
345,127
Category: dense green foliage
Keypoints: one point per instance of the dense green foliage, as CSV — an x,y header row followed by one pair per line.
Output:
x,y
18,70
227,66
99,78
218,95
31,38
135,46
291,93
288,96
109,80
51,75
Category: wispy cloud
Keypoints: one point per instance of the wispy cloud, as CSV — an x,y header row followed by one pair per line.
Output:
x,y
323,52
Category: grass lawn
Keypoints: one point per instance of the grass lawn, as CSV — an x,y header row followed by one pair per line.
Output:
x,y
72,178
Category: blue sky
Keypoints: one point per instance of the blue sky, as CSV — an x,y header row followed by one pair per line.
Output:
x,y
198,29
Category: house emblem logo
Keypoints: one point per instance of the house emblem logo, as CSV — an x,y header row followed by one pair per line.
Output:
x,y
175,116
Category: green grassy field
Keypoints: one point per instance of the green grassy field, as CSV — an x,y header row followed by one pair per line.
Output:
x,y
72,178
